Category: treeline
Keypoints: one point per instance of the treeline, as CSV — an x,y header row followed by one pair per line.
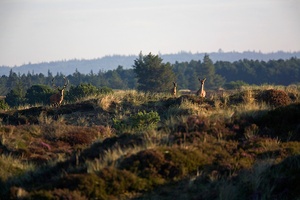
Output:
x,y
67,67
279,72
218,74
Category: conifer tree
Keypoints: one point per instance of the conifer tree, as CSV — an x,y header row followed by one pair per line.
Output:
x,y
153,75
207,70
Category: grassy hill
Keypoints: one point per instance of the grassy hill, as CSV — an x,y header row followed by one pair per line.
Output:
x,y
242,144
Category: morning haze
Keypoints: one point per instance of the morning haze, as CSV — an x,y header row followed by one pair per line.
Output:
x,y
44,31
86,66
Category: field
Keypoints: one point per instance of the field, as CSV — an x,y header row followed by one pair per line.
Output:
x,y
241,144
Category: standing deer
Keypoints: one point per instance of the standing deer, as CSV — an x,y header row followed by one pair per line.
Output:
x,y
56,99
174,89
201,92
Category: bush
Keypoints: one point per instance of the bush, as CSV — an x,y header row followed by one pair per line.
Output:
x,y
81,91
106,90
3,105
139,121
79,137
79,186
38,94
121,181
165,164
103,185
14,98
274,97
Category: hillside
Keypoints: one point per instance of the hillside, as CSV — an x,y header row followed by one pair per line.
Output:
x,y
112,62
128,145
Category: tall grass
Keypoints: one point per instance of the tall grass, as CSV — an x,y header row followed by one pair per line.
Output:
x,y
220,131
112,157
13,166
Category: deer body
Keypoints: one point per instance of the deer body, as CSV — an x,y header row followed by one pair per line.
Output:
x,y
201,92
56,99
174,89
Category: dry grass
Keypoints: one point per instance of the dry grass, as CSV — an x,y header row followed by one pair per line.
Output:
x,y
13,166
112,158
201,149
106,101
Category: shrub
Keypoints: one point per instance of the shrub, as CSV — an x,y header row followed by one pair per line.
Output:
x,y
106,90
274,97
38,94
3,105
121,181
79,137
81,91
15,98
144,120
247,96
166,164
106,183
139,121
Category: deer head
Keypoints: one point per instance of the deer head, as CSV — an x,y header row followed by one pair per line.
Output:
x,y
56,99
174,89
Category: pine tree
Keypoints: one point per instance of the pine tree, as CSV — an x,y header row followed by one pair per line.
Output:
x,y
153,75
207,70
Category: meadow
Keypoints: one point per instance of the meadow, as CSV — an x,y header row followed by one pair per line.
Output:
x,y
238,144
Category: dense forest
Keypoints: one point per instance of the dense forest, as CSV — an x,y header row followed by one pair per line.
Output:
x,y
219,74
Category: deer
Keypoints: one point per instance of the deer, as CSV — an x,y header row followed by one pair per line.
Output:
x,y
174,89
201,92
56,99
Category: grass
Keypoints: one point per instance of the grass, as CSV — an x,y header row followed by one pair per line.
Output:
x,y
133,145
13,166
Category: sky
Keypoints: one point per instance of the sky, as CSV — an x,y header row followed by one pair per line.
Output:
x,y
33,31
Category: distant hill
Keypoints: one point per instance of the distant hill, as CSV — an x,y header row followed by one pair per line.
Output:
x,y
112,62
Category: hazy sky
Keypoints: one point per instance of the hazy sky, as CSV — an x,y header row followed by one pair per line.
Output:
x,y
49,30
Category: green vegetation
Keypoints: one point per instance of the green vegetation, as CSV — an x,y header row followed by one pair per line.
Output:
x,y
3,105
140,121
153,75
242,144
229,75
38,94
239,143
81,91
